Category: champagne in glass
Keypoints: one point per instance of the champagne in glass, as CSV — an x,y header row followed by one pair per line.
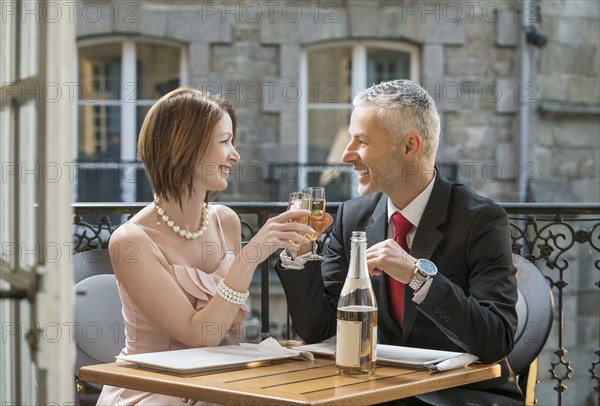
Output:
x,y
298,201
317,218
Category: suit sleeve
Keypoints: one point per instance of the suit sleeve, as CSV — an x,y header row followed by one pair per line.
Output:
x,y
483,322
312,294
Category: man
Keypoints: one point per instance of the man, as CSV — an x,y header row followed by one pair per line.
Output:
x,y
461,294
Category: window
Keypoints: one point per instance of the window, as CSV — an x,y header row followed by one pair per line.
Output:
x,y
331,76
118,82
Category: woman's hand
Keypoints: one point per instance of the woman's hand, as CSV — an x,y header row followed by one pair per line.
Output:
x,y
304,248
387,256
277,233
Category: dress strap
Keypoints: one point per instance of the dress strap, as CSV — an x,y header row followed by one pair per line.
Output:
x,y
224,241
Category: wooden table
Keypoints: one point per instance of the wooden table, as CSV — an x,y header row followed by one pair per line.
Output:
x,y
288,382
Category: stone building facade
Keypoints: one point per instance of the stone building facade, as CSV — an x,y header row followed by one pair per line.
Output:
x,y
469,60
467,54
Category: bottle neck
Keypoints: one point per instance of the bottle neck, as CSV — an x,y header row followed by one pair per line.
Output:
x,y
358,261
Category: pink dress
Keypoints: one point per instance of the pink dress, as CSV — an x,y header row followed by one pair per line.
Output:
x,y
146,337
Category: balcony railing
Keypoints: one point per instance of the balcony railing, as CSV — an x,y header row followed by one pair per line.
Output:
x,y
563,240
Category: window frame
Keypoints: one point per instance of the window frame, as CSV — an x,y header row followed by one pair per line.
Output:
x,y
128,109
358,83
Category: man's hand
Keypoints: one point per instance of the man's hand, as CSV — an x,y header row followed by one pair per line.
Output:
x,y
387,256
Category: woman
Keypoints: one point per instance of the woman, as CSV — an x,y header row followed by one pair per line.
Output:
x,y
181,272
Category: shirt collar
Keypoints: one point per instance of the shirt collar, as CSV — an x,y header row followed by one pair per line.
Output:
x,y
414,210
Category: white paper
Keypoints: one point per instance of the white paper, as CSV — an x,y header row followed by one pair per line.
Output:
x,y
435,360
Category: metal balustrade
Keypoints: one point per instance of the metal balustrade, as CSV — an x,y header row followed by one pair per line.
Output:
x,y
563,240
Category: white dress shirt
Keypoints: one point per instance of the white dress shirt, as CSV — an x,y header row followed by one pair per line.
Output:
x,y
413,213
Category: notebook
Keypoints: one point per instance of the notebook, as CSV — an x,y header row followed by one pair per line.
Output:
x,y
209,359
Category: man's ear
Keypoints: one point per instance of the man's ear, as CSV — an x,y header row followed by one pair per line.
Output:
x,y
413,145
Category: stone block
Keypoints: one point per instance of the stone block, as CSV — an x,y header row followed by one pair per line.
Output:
x,y
290,60
280,22
363,17
153,23
278,33
582,89
261,128
195,25
552,191
246,33
508,29
553,87
505,100
410,30
313,27
245,60
280,94
505,160
571,8
543,158
433,61
586,190
288,127
127,16
578,133
590,167
446,92
199,59
446,32
570,31
94,18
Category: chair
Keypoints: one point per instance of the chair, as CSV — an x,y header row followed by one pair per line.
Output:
x,y
535,309
99,327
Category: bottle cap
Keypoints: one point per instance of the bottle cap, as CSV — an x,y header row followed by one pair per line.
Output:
x,y
359,236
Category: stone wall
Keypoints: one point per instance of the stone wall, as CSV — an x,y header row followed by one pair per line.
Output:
x,y
566,143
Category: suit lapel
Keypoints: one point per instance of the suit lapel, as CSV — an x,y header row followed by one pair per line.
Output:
x,y
377,232
426,241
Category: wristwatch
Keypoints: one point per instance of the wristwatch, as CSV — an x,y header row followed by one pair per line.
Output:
x,y
424,270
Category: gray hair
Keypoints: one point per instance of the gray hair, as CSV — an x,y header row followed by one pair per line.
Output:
x,y
404,107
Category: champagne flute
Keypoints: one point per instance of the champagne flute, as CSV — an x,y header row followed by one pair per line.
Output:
x,y
298,201
317,217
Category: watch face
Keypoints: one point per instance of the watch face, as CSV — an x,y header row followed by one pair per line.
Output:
x,y
427,266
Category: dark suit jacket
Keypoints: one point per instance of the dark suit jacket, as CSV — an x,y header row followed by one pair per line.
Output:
x,y
470,305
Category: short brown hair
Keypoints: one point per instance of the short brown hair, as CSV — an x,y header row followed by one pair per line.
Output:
x,y
175,136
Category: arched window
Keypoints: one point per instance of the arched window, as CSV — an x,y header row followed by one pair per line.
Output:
x,y
119,79
331,75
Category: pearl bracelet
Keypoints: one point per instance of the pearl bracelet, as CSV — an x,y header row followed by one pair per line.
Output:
x,y
232,296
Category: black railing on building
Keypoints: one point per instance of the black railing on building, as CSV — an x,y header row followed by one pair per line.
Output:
x,y
558,238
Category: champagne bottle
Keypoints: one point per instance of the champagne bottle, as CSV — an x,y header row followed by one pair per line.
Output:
x,y
356,346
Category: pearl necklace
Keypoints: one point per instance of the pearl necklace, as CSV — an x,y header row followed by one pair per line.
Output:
x,y
178,230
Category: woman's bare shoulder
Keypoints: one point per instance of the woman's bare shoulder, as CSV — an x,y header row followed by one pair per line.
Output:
x,y
228,217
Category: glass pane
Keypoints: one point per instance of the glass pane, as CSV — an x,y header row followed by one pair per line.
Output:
x,y
100,72
327,134
157,70
141,112
7,47
386,64
99,182
329,75
143,190
29,28
29,170
99,133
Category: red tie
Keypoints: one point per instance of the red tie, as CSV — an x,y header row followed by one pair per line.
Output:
x,y
403,226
